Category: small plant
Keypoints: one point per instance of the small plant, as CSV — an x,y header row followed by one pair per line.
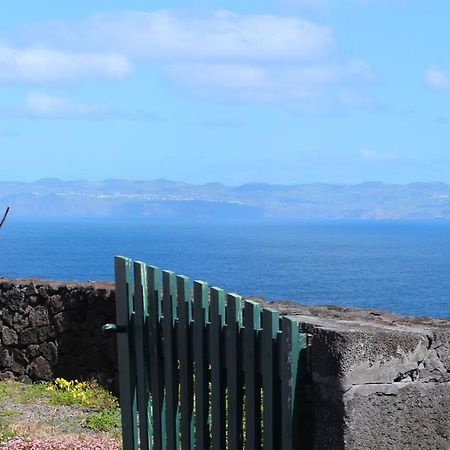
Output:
x,y
9,413
104,420
83,393
5,433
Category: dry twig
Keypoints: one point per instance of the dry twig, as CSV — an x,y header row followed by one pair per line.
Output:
x,y
4,217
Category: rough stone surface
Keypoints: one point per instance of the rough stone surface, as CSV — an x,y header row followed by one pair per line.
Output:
x,y
39,316
374,380
371,380
40,368
9,337
414,414
51,329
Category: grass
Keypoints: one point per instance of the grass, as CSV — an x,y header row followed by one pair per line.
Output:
x,y
104,420
9,413
5,431
23,393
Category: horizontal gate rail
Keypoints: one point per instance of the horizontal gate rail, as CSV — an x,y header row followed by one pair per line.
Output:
x,y
200,368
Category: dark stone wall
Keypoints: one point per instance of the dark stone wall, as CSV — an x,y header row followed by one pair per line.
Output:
x,y
52,329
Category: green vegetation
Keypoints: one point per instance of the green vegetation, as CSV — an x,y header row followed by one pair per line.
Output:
x,y
9,413
23,393
59,392
104,420
83,393
94,408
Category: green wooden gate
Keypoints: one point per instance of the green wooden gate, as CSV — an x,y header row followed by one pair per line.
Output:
x,y
201,369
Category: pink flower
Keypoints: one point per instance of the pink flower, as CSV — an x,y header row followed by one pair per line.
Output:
x,y
60,443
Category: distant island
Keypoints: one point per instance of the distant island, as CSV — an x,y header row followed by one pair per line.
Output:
x,y
165,199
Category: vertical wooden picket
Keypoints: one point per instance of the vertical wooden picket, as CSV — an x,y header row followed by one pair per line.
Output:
x,y
270,327
291,343
170,360
234,374
125,352
216,359
142,356
186,365
156,362
201,307
252,324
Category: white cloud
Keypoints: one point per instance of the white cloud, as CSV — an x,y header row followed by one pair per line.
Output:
x,y
437,78
225,56
372,155
44,106
48,106
39,65
169,35
293,84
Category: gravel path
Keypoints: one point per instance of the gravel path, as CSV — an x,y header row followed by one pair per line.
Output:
x,y
40,419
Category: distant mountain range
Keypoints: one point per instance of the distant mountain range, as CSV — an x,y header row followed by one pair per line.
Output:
x,y
164,199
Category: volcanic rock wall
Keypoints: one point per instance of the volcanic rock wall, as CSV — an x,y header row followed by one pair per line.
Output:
x,y
51,329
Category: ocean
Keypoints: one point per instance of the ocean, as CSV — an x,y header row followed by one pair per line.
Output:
x,y
399,267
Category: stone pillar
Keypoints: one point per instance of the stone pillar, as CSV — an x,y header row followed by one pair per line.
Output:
x,y
376,380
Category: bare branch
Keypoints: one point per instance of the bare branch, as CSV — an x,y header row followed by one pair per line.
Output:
x,y
4,217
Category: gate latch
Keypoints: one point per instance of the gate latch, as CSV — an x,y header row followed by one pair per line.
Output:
x,y
111,328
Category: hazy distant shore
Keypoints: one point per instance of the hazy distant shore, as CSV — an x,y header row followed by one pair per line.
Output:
x,y
165,199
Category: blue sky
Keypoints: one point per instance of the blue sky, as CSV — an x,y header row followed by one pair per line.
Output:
x,y
280,91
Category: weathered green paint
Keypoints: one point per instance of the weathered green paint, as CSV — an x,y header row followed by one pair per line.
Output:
x,y
216,345
203,365
252,325
156,362
184,329
201,316
170,360
126,353
269,332
234,374
290,354
142,355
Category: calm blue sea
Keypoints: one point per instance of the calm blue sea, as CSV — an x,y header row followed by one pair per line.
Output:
x,y
401,267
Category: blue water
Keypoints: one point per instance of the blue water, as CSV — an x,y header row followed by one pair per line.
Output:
x,y
401,267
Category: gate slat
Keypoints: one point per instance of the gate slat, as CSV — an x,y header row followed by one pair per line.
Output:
x,y
201,365
270,327
234,374
125,352
252,325
186,366
292,341
217,309
156,363
170,360
142,360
